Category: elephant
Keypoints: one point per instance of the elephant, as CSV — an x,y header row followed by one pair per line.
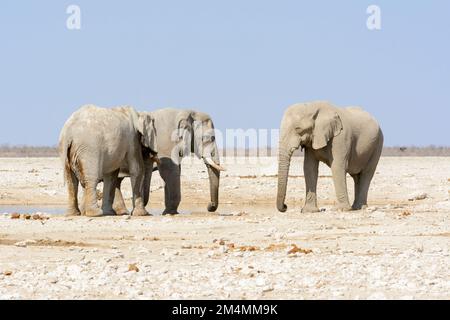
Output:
x,y
348,140
179,132
93,145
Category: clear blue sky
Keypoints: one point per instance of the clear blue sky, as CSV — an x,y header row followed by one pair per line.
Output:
x,y
243,62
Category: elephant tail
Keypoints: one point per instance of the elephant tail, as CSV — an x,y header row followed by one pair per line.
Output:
x,y
64,150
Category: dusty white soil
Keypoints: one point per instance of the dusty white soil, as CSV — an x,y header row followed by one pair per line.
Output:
x,y
395,249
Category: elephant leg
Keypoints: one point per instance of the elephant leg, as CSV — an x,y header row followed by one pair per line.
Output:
x,y
170,173
147,181
340,186
311,172
72,186
137,179
119,204
83,201
90,200
109,190
364,184
356,180
366,177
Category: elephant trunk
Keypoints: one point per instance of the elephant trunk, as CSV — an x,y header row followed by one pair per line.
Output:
x,y
148,165
284,160
214,178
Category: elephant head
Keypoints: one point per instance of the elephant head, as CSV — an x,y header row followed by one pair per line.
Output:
x,y
196,134
145,126
310,125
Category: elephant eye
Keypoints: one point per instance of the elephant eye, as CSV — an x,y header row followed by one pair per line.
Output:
x,y
209,138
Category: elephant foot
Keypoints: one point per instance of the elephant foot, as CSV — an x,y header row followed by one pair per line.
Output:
x,y
96,212
310,209
122,212
109,212
140,212
72,213
171,212
342,208
357,206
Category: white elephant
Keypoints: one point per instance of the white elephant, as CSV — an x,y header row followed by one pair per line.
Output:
x,y
180,132
348,140
94,144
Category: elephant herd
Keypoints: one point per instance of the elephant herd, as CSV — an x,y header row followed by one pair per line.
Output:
x,y
106,145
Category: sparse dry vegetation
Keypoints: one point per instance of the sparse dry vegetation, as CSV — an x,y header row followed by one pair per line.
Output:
x,y
7,151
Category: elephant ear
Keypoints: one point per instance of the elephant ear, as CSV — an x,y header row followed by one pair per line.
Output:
x,y
181,136
146,127
197,132
327,125
184,126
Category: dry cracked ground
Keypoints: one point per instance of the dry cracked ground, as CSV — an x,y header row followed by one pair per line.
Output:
x,y
398,248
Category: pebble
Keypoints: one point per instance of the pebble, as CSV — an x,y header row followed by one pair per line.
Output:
x,y
232,214
418,196
25,243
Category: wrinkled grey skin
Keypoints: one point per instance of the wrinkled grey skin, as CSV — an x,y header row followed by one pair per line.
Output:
x,y
93,145
179,132
348,140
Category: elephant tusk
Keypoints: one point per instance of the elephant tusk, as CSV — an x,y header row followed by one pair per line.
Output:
x,y
210,162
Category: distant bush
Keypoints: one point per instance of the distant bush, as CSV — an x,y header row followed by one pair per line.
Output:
x,y
412,151
430,151
7,151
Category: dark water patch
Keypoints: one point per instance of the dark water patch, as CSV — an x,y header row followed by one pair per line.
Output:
x,y
33,209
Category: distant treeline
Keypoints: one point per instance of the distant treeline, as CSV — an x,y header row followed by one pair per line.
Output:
x,y
7,151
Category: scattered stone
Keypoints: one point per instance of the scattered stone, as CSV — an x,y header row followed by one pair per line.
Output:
x,y
418,196
268,288
232,214
15,215
133,267
248,248
405,213
296,249
53,280
8,273
25,243
38,216
26,216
